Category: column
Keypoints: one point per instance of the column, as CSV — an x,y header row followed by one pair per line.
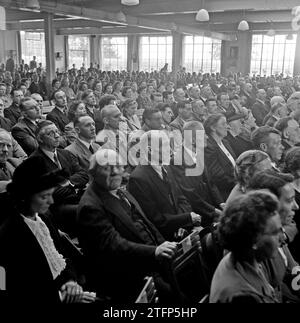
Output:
x,y
297,57
49,46
132,52
19,48
177,51
66,52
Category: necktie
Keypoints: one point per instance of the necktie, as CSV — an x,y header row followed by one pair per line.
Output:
x,y
91,149
124,200
5,171
56,161
164,174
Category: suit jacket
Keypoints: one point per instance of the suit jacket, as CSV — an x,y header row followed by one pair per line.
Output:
x,y
59,118
235,281
177,123
259,111
219,167
202,194
13,113
118,256
238,144
164,205
78,176
28,276
5,123
24,133
83,154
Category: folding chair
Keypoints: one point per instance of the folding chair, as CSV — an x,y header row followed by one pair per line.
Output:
x,y
148,293
186,273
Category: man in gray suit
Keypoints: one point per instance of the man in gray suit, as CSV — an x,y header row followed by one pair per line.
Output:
x,y
84,146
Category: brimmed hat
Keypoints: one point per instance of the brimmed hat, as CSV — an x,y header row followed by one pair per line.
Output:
x,y
32,176
234,116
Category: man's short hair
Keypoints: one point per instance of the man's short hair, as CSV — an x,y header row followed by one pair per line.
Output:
x,y
155,94
105,100
148,113
209,100
260,135
77,119
165,94
271,180
24,100
182,104
282,123
86,94
220,94
163,106
41,125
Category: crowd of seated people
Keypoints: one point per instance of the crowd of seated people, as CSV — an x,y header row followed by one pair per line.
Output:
x,y
103,187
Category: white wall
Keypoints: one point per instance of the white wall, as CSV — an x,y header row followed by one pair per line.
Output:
x,y
8,41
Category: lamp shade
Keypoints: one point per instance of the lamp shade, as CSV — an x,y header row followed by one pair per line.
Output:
x,y
271,33
243,25
130,2
2,18
32,4
202,15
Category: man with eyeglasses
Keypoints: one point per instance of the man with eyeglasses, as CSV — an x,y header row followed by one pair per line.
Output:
x,y
67,195
24,130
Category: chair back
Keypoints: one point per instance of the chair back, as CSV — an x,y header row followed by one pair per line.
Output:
x,y
148,293
186,272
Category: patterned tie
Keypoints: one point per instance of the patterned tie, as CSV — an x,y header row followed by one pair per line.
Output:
x,y
91,149
124,199
56,161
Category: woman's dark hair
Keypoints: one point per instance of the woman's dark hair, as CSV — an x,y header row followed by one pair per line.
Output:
x,y
81,84
271,180
106,86
72,109
244,219
105,100
125,104
211,121
292,161
125,89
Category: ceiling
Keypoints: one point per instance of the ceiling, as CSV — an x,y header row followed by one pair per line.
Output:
x,y
154,16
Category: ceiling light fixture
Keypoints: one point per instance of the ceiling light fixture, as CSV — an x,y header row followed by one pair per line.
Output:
x,y
202,15
130,2
32,4
243,25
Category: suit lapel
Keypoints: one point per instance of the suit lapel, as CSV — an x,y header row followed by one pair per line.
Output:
x,y
221,153
31,127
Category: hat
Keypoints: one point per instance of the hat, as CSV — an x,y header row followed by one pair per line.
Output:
x,y
234,116
33,176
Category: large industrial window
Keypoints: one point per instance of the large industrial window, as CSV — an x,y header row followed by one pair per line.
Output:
x,y
79,51
273,55
33,44
114,53
201,54
155,52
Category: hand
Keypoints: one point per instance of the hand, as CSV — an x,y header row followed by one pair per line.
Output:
x,y
166,250
88,297
71,292
218,212
196,218
222,205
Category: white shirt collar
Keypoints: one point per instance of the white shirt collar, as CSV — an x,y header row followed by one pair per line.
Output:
x,y
87,145
158,170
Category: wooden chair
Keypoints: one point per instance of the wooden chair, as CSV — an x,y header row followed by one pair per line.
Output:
x,y
148,293
186,273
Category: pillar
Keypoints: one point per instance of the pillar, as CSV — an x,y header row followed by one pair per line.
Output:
x,y
49,46
176,51
297,57
132,52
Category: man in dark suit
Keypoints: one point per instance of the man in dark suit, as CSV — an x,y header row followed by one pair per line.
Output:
x,y
13,113
184,114
59,114
84,146
153,185
24,130
259,108
120,244
195,184
66,196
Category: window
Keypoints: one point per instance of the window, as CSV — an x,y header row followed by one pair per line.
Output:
x,y
33,44
272,55
201,54
114,53
79,51
155,52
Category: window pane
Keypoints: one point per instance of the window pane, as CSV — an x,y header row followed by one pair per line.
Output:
x,y
114,53
33,44
155,56
201,54
79,51
272,55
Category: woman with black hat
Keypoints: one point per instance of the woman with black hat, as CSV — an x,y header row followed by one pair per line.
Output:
x,y
30,246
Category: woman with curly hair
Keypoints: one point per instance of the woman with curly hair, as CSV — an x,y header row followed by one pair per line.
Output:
x,y
249,229
247,164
